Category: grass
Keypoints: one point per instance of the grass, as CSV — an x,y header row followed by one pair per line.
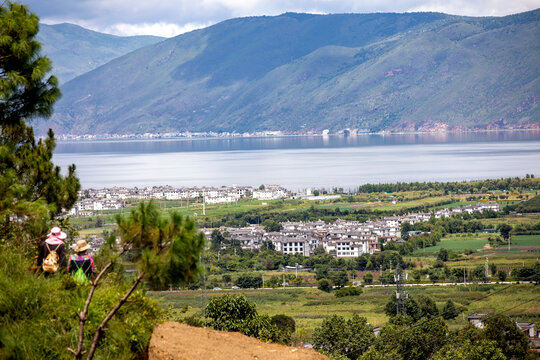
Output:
x,y
456,243
309,306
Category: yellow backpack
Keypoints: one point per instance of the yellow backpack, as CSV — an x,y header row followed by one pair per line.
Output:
x,y
50,264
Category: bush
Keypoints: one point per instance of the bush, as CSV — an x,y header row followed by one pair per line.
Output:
x,y
38,314
348,291
368,278
286,326
349,338
246,282
236,313
324,285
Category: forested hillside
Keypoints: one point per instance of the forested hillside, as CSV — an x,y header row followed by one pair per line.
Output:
x,y
298,72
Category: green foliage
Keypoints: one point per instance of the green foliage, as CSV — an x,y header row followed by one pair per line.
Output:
x,y
324,285
412,308
25,90
32,190
413,342
368,278
271,225
449,311
236,313
503,331
246,282
338,278
37,314
286,327
167,248
530,206
505,230
428,308
348,291
344,337
470,350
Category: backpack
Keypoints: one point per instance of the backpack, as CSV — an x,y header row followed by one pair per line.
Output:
x,y
79,276
50,264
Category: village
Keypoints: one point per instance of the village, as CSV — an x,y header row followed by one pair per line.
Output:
x,y
342,238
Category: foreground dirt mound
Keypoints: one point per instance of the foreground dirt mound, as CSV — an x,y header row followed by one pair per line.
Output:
x,y
174,341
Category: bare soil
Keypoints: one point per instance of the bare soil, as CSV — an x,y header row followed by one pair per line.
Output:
x,y
175,341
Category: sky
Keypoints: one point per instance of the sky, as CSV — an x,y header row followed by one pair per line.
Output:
x,y
173,17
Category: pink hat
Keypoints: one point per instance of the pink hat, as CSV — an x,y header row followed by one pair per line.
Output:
x,y
57,232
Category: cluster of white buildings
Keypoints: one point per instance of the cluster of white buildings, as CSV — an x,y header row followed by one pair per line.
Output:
x,y
92,200
341,238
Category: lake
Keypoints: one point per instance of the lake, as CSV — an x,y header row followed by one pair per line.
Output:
x,y
297,162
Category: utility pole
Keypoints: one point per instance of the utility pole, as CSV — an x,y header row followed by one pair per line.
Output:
x,y
401,295
486,267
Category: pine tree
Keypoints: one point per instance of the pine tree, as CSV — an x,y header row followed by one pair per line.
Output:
x,y
32,190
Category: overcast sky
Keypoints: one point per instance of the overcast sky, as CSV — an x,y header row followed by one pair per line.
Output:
x,y
172,17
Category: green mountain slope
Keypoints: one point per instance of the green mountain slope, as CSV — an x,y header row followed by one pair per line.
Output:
x,y
298,72
75,50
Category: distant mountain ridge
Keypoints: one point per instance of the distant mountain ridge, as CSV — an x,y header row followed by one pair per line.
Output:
x,y
302,72
75,50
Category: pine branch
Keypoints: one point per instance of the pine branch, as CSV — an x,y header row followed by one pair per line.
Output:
x,y
101,328
83,314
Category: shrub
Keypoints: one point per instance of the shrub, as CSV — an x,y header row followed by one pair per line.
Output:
x,y
324,285
246,282
236,313
348,291
338,336
38,314
368,278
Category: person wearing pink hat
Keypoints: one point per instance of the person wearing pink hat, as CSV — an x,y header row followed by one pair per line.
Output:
x,y
53,243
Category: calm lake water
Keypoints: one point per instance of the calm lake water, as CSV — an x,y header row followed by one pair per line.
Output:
x,y
300,162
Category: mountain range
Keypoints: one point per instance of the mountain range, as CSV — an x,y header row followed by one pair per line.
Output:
x,y
303,72
75,50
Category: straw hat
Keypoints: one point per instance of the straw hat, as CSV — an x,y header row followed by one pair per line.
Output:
x,y
57,232
81,246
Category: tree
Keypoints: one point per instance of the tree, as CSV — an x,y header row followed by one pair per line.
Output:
x,y
216,239
339,278
449,311
271,225
319,250
470,350
368,278
340,337
32,190
442,255
324,285
166,250
427,306
505,333
505,230
25,90
405,228
501,275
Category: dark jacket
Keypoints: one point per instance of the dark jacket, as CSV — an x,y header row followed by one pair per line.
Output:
x,y
84,262
44,251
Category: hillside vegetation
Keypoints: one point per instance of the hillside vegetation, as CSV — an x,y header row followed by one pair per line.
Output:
x,y
75,50
299,72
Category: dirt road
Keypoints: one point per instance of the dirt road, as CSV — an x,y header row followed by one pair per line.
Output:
x,y
174,341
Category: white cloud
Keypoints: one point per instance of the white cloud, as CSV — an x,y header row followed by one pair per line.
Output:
x,y
158,29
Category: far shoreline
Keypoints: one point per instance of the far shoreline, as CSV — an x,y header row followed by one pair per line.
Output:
x,y
89,138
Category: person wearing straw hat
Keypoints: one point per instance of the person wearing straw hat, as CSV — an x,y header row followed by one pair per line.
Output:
x,y
53,245
82,260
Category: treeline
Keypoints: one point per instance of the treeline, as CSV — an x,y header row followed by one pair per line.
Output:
x,y
482,186
311,214
529,206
